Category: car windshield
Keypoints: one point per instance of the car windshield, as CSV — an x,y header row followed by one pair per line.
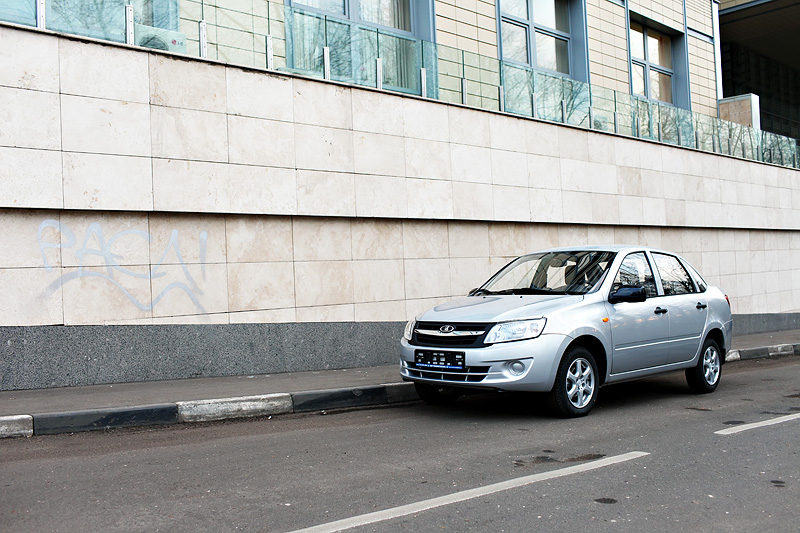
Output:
x,y
558,272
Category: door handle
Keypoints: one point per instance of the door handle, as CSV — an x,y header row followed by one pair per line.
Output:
x,y
701,305
660,311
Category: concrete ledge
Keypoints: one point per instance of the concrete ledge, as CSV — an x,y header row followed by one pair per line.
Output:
x,y
16,426
94,419
339,398
242,407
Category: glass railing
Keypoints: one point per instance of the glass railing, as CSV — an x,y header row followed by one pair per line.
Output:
x,y
18,11
333,48
307,42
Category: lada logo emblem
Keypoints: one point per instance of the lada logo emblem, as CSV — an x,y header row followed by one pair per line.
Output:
x,y
447,329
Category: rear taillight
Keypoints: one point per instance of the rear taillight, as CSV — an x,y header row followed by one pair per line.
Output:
x,y
728,300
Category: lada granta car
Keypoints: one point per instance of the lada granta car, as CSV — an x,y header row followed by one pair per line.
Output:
x,y
569,320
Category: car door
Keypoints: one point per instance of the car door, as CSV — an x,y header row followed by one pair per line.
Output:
x,y
639,330
686,308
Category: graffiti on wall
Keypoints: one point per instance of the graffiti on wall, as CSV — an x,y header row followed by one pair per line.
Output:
x,y
96,245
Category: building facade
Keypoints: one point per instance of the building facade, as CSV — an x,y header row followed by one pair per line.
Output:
x,y
167,215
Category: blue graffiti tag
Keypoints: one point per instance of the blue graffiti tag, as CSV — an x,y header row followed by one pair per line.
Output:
x,y
103,249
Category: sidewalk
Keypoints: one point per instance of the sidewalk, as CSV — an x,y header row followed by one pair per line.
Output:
x,y
71,409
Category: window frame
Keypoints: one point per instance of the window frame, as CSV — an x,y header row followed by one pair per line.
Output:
x,y
531,29
649,65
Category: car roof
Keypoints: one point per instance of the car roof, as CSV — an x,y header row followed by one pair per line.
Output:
x,y
603,248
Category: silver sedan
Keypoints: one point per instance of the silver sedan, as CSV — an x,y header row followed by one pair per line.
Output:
x,y
569,320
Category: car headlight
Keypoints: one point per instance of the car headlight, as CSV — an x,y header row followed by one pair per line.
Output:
x,y
409,329
515,331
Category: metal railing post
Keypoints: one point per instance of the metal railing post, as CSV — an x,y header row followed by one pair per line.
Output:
x,y
201,26
423,83
129,37
41,20
326,63
616,122
270,53
563,112
378,73
591,118
464,91
533,105
501,93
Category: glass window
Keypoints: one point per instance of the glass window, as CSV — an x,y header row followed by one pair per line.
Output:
x,y
515,42
637,72
552,53
660,86
334,6
536,33
651,63
637,41
659,49
552,14
635,271
674,277
515,8
392,13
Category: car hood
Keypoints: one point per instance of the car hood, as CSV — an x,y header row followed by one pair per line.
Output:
x,y
498,308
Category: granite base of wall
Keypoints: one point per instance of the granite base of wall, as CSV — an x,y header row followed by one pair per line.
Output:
x,y
63,356
38,357
765,323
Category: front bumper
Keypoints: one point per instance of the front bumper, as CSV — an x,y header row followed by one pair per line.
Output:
x,y
489,367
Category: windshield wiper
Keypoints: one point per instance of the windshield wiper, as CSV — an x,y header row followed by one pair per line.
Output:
x,y
524,290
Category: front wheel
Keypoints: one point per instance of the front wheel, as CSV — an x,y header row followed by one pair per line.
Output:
x,y
437,394
575,390
704,377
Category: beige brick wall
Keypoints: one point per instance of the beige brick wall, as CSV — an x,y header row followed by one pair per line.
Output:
x,y
236,30
608,45
667,12
727,4
699,16
469,25
702,74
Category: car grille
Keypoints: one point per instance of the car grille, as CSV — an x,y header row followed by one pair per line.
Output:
x,y
467,334
471,374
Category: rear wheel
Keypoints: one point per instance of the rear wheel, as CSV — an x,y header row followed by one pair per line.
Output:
x,y
437,394
704,377
575,390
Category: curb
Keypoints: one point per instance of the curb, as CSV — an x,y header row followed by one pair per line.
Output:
x,y
761,352
188,412
205,410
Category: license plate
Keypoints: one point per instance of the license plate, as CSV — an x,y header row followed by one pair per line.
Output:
x,y
436,360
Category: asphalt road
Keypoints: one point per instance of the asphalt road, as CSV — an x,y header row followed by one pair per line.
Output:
x,y
437,469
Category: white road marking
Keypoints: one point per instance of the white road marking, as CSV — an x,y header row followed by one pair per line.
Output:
x,y
404,510
745,427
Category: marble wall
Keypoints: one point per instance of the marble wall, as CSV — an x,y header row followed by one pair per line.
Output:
x,y
142,188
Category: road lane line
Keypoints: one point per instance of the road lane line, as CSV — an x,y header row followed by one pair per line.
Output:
x,y
745,427
404,510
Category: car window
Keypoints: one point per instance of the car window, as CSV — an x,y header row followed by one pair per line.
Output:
x,y
674,277
559,272
701,283
635,271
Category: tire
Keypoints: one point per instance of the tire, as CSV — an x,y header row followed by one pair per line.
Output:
x,y
575,390
705,377
437,394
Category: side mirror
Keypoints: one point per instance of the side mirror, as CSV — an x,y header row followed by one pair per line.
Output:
x,y
628,293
